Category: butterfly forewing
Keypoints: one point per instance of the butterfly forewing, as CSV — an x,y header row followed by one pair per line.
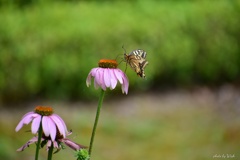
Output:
x,y
139,52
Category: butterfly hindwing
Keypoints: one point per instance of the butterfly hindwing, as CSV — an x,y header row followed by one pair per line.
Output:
x,y
142,67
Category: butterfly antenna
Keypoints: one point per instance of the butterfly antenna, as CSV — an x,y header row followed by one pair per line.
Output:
x,y
124,49
122,59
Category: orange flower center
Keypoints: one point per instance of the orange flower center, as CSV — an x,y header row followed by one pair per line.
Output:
x,y
107,63
44,110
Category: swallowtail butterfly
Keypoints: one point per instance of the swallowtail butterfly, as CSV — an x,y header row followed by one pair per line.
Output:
x,y
137,61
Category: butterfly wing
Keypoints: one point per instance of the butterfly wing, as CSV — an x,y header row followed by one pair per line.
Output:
x,y
142,66
139,52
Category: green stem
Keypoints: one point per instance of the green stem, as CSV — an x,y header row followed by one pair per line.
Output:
x,y
50,152
39,140
96,121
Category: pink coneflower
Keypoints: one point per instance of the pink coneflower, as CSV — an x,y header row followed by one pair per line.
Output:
x,y
51,123
57,143
107,75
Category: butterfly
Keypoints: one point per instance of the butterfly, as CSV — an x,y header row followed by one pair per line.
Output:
x,y
137,61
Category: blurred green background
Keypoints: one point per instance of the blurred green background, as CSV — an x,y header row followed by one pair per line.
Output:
x,y
47,49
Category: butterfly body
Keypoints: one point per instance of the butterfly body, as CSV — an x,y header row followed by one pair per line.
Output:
x,y
137,61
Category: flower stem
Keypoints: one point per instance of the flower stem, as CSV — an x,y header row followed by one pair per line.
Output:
x,y
96,121
39,140
50,152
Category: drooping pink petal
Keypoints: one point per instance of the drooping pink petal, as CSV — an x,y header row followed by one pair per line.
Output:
x,y
45,126
113,79
55,144
27,118
20,125
107,77
88,80
99,78
71,144
90,75
35,124
49,143
60,124
96,85
31,141
49,127
103,86
69,133
28,114
53,129
125,84
33,115
118,73
93,71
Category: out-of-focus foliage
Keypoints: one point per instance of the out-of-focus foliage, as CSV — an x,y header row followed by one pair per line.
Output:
x,y
47,49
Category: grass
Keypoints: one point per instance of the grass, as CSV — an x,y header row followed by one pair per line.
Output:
x,y
150,126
